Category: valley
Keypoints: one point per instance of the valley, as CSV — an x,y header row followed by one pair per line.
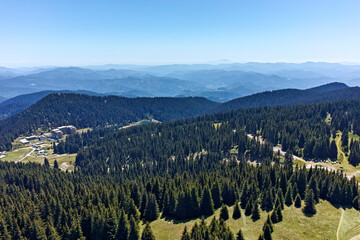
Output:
x,y
179,120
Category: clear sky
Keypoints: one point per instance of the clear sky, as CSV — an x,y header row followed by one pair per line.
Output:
x,y
76,32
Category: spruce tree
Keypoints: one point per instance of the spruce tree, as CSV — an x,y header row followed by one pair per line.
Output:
x,y
182,211
255,212
147,234
151,209
279,214
224,213
134,233
46,163
248,208
309,203
123,227
194,206
354,157
281,198
56,165
269,223
267,232
345,140
132,210
236,212
135,195
144,200
185,234
301,141
333,150
314,186
295,190
288,196
207,205
274,216
111,225
267,201
216,195
240,235
298,201
50,232
335,194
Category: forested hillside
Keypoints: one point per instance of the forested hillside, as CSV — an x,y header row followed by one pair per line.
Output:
x,y
330,92
178,170
19,103
90,111
301,130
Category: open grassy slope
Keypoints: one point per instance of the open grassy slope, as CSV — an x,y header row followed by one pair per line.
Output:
x,y
323,225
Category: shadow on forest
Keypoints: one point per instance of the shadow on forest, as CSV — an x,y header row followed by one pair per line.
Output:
x,y
337,206
309,214
178,221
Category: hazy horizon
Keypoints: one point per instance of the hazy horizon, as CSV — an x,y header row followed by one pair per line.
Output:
x,y
147,64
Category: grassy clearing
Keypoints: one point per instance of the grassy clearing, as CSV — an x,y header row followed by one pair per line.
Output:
x,y
350,226
347,168
296,225
65,161
341,154
16,154
217,125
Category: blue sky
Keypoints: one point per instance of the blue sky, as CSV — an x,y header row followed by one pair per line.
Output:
x,y
34,33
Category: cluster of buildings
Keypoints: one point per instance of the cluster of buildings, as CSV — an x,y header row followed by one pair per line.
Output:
x,y
55,134
60,131
40,152
3,154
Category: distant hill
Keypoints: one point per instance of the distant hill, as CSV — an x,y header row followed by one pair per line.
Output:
x,y
329,87
19,103
219,95
329,92
2,99
91,111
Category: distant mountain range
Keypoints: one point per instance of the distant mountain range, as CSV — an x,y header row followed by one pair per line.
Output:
x,y
220,83
82,110
119,81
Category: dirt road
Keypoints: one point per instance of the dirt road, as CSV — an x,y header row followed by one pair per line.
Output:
x,y
27,155
308,164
